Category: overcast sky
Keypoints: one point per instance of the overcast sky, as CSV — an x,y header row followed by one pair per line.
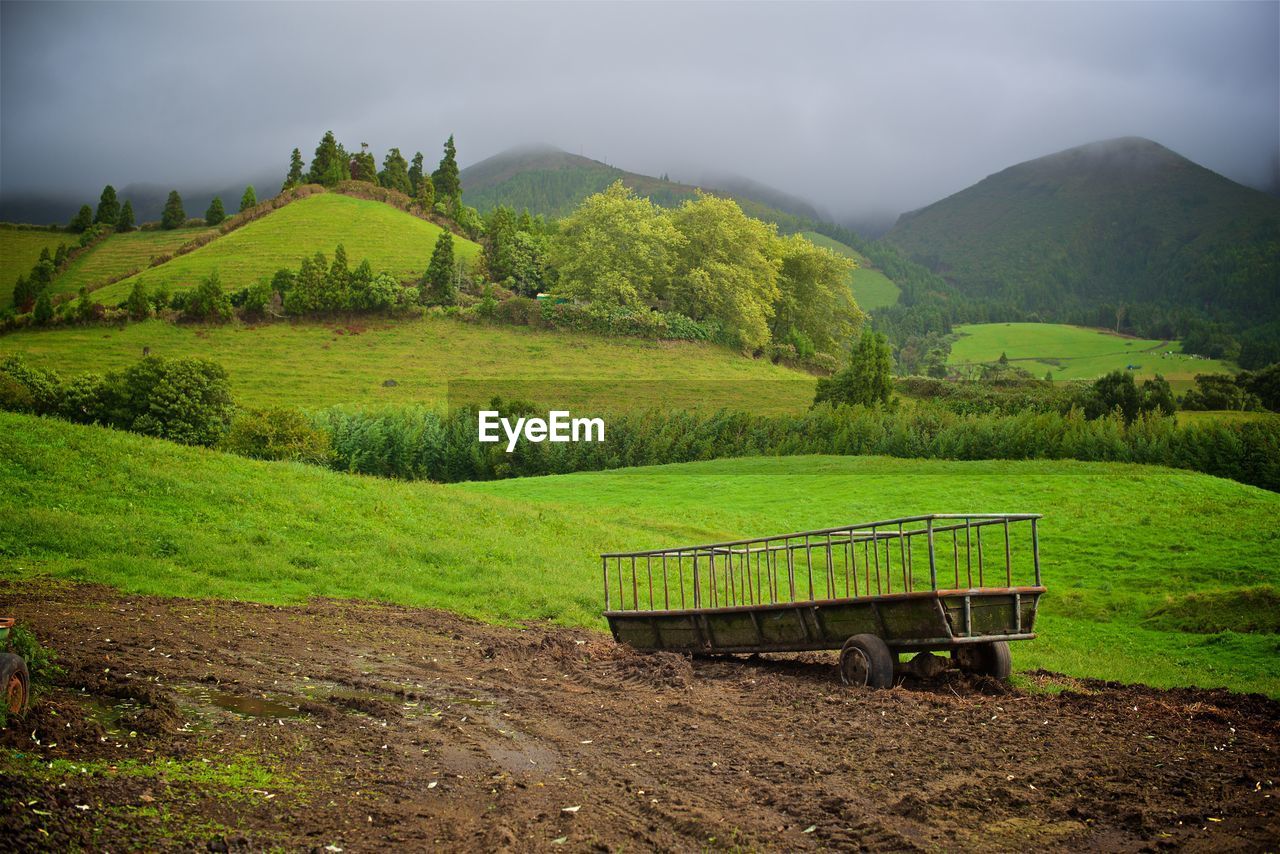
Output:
x,y
860,107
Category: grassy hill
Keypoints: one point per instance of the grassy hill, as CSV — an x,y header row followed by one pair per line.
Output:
x,y
119,254
1077,353
391,239
1124,221
871,288
316,364
1154,575
19,251
551,182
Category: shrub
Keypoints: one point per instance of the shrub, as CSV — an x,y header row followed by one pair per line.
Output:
x,y
277,434
519,311
208,301
25,388
185,400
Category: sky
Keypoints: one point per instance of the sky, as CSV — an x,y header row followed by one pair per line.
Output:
x,y
866,109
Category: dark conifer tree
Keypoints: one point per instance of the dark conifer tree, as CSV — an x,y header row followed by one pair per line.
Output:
x,y
437,287
23,294
82,220
108,207
395,172
415,173
249,199
329,165
294,178
173,216
125,223
446,176
43,309
215,214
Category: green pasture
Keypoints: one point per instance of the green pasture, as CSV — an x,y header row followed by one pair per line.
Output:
x,y
311,364
119,254
871,288
1154,575
392,240
1077,352
20,250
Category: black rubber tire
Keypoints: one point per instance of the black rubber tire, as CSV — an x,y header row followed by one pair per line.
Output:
x,y
988,659
15,683
865,660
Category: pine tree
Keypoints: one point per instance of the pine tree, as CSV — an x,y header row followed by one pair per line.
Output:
x,y
329,165
215,214
82,220
249,199
60,257
338,283
108,207
125,223
425,195
24,294
294,178
173,216
395,172
415,173
363,166
43,309
446,176
437,287
138,304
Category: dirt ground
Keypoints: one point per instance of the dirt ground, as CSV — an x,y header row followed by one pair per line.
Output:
x,y
349,726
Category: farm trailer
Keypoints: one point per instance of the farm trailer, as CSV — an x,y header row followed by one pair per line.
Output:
x,y
875,590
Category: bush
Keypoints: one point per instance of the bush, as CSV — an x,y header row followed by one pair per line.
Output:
x,y
519,311
277,434
24,388
208,301
184,400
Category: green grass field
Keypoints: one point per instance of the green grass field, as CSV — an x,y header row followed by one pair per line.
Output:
x,y
871,288
310,364
1133,556
1076,352
119,254
392,240
20,250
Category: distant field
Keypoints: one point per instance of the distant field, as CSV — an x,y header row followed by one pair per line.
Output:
x,y
1077,353
1154,575
119,254
313,364
392,240
20,250
871,288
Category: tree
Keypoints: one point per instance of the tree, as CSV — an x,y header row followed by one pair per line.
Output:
x,y
445,177
305,294
337,284
208,301
294,178
813,295
183,400
425,195
866,380
727,268
215,214
1264,384
24,294
249,199
44,309
82,220
616,249
395,173
415,173
329,165
437,287
60,257
85,306
363,166
1157,396
1113,392
173,215
138,304
108,207
125,222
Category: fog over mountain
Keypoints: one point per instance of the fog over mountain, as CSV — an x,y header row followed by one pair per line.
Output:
x,y
864,110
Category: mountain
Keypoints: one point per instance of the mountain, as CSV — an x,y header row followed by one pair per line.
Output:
x,y
552,182
148,200
1124,225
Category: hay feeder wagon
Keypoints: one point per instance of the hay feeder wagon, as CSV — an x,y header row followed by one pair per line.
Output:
x,y
874,591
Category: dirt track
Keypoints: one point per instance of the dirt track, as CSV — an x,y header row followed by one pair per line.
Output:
x,y
397,727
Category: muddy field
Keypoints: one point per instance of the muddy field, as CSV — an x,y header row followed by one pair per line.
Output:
x,y
227,726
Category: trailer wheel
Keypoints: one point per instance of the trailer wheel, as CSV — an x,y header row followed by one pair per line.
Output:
x,y
14,682
866,660
989,659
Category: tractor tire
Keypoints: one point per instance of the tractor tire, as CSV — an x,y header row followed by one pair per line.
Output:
x,y
15,683
988,659
865,660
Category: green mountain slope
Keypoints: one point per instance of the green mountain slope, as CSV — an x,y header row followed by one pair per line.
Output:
x,y
871,288
392,240
19,251
151,517
551,182
1126,222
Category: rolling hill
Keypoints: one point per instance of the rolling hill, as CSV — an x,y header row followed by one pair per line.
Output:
x,y
1125,548
1125,222
19,251
392,240
551,182
871,288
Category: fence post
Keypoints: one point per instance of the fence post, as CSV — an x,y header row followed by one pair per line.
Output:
x,y
933,567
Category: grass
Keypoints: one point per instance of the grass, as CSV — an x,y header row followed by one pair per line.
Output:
x,y
119,254
1122,545
871,288
20,250
311,365
1077,352
392,240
